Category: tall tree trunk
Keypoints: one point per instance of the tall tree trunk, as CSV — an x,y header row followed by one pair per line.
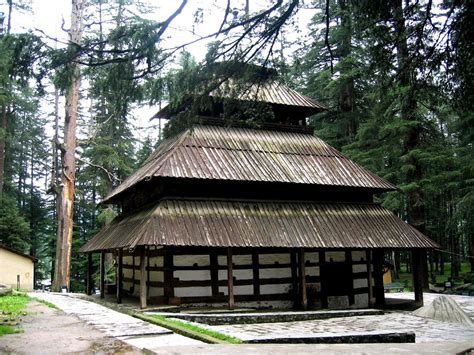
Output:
x,y
411,140
68,160
346,93
3,137
9,21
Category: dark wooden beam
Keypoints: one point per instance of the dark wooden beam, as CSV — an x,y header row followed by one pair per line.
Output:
x,y
214,274
348,257
132,290
230,278
256,274
168,289
119,280
89,282
147,249
302,279
294,276
323,278
417,271
379,293
143,286
369,277
102,274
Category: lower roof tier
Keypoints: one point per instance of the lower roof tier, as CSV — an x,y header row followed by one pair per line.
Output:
x,y
244,223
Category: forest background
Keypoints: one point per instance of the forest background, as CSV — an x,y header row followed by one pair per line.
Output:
x,y
397,77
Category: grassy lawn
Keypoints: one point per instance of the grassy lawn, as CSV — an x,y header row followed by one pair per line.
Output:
x,y
407,279
190,330
11,307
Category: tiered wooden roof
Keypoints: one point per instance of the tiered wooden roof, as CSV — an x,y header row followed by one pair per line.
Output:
x,y
244,154
273,155
224,223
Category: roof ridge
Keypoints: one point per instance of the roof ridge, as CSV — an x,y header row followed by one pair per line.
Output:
x,y
226,199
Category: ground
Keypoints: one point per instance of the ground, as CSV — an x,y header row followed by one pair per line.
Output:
x,y
48,330
87,327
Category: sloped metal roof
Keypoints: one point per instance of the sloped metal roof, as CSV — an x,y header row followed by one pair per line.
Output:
x,y
219,223
243,154
270,91
266,91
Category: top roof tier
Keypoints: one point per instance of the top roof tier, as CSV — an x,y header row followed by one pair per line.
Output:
x,y
287,104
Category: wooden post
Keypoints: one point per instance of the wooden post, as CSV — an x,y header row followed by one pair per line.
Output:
x,y
369,276
230,278
417,272
168,289
256,274
89,284
119,280
323,277
294,276
102,274
143,293
214,274
348,257
302,277
132,290
379,293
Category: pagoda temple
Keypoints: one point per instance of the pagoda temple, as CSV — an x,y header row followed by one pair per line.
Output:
x,y
229,213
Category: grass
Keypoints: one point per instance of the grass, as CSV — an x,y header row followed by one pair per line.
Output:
x,y
11,307
46,303
407,278
190,330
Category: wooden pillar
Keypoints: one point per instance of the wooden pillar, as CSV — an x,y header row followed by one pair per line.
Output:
x,y
214,274
256,274
89,283
302,278
369,276
168,289
132,290
294,276
230,278
119,280
143,293
323,279
379,293
417,272
102,274
348,262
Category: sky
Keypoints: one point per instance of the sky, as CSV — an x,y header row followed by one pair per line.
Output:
x,y
47,17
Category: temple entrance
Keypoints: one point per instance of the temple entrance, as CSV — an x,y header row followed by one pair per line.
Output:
x,y
336,283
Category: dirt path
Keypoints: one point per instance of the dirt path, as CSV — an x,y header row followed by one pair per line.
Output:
x,y
49,331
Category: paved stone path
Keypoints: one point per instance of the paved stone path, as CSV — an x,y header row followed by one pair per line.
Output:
x,y
426,330
131,330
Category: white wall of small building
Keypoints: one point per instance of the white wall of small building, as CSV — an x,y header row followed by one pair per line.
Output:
x,y
12,266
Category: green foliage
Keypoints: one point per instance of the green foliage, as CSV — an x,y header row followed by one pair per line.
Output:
x,y
11,307
14,228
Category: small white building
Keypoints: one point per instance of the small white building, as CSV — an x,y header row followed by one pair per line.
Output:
x,y
16,269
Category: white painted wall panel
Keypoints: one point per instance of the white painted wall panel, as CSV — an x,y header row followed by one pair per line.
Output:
x,y
192,291
359,268
274,273
336,256
360,283
359,255
190,260
189,275
273,289
311,257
